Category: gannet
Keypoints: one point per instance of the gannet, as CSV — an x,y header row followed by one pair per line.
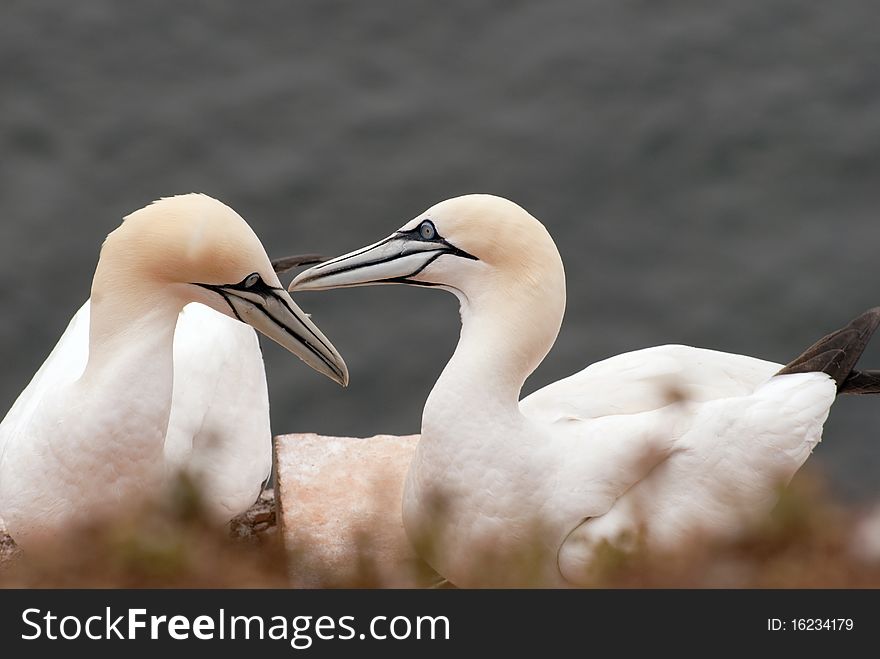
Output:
x,y
159,371
658,446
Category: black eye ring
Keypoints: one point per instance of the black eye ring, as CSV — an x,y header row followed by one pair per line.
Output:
x,y
427,231
251,280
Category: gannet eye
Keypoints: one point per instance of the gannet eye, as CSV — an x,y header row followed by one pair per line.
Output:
x,y
427,230
251,280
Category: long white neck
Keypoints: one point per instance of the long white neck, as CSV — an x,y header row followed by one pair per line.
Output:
x,y
506,333
472,430
131,349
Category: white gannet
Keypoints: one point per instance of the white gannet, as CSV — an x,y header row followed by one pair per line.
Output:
x,y
156,373
658,444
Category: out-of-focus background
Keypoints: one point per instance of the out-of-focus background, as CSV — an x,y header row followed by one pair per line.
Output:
x,y
711,173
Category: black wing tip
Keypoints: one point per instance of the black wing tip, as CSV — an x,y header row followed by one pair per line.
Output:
x,y
861,383
837,353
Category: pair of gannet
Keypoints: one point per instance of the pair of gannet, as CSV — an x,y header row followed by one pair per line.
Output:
x,y
660,444
159,371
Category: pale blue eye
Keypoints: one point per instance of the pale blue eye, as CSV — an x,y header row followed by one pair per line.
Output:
x,y
251,280
427,230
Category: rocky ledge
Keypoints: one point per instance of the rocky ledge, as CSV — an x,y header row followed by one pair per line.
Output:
x,y
339,512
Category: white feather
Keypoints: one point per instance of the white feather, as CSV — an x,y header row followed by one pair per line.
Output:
x,y
669,441
147,381
218,430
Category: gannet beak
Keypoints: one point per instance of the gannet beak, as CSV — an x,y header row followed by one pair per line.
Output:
x,y
395,260
288,263
272,312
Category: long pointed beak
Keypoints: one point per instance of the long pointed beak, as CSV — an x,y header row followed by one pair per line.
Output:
x,y
395,260
272,312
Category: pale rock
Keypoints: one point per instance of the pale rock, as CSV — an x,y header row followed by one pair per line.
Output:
x,y
339,511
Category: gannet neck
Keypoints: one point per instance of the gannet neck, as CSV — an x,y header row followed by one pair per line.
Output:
x,y
130,309
130,372
121,325
512,300
508,326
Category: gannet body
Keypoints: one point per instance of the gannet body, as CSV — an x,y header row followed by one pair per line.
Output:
x,y
218,429
156,373
659,444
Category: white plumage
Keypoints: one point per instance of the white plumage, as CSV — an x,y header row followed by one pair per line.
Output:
x,y
663,443
156,373
218,429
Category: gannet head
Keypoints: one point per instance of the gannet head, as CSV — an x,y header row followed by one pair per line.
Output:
x,y
200,250
476,246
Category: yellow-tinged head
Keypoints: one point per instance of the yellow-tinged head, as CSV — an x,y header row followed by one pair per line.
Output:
x,y
197,249
498,259
190,238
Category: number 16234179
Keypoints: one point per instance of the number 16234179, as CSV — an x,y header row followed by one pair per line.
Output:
x,y
810,624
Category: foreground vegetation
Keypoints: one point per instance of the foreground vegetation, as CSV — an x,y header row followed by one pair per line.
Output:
x,y
809,542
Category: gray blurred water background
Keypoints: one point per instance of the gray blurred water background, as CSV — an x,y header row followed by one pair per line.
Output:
x,y
710,171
